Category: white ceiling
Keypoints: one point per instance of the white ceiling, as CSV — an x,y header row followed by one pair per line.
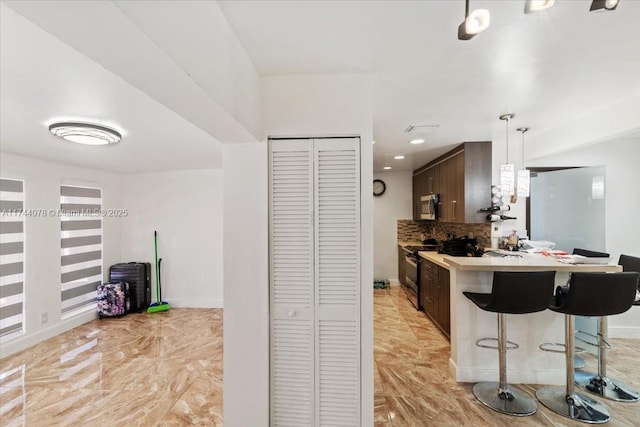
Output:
x,y
43,79
547,68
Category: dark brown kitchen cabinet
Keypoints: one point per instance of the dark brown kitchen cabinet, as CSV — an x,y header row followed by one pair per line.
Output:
x,y
462,177
434,294
444,301
431,180
452,188
429,288
401,266
424,183
417,190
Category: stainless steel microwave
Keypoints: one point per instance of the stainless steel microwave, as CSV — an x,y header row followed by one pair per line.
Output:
x,y
429,206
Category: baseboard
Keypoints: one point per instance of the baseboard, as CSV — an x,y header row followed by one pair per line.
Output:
x,y
624,332
394,282
28,340
196,303
468,375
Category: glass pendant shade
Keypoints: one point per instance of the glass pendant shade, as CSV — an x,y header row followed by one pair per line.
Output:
x,y
524,177
507,170
508,179
524,182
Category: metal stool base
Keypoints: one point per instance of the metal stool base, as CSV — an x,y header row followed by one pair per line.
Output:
x,y
510,401
608,388
575,406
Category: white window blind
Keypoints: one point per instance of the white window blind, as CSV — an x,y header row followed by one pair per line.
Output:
x,y
11,257
81,246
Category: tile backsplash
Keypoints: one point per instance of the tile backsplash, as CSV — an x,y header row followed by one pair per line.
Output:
x,y
411,230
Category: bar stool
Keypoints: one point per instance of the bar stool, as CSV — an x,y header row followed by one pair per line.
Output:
x,y
600,383
631,263
512,293
590,294
578,362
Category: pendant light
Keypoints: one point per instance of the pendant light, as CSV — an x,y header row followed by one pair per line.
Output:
x,y
524,178
531,6
473,23
508,170
603,5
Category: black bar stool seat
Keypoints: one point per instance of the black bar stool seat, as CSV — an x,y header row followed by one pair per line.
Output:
x,y
590,294
511,293
579,362
599,383
631,263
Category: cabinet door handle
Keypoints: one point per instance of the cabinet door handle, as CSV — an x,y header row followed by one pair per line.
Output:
x,y
453,208
291,313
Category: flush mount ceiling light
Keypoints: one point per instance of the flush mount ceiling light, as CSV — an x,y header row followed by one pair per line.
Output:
x,y
537,5
416,141
508,170
602,5
387,168
524,177
421,128
398,157
85,133
473,23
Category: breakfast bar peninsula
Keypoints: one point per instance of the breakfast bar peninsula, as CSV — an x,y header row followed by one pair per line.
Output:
x,y
527,364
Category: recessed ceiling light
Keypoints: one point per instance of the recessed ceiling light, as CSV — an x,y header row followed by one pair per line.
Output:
x,y
387,168
85,133
373,141
421,128
416,141
398,157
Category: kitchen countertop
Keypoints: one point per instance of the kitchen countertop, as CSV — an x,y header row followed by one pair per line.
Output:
x,y
435,257
527,262
404,243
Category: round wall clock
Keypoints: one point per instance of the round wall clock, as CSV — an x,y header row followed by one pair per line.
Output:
x,y
379,187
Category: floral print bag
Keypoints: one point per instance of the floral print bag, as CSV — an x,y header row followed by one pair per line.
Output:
x,y
113,299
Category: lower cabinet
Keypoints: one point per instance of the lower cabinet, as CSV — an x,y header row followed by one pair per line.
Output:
x,y
444,301
434,294
401,267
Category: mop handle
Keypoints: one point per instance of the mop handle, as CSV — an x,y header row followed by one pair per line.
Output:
x,y
155,242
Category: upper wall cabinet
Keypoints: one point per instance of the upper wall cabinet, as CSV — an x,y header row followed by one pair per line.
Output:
x,y
462,177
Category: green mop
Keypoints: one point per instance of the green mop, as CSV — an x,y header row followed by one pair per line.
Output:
x,y
159,305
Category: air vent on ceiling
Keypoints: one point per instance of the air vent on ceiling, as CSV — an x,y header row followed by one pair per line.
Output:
x,y
421,128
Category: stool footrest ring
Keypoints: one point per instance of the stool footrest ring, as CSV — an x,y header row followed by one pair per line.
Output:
x,y
482,342
555,347
584,337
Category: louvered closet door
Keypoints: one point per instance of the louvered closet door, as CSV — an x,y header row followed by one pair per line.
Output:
x,y
337,277
292,283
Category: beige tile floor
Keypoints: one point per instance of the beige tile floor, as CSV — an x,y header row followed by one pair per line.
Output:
x,y
413,387
161,369
165,369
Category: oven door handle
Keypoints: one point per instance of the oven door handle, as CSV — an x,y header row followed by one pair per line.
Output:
x,y
410,261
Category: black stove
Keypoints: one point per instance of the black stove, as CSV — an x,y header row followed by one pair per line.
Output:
x,y
415,249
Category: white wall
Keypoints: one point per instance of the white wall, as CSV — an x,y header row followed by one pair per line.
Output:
x,y
246,285
42,245
622,195
396,203
185,207
308,105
